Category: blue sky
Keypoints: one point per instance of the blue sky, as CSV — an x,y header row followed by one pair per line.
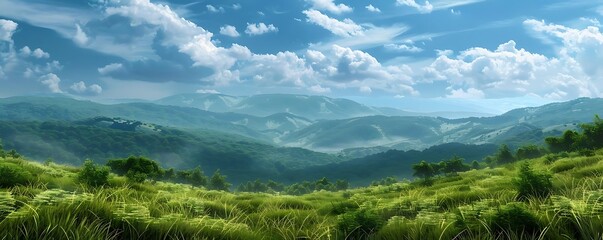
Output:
x,y
380,52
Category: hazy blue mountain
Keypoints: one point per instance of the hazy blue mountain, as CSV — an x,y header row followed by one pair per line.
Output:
x,y
309,107
103,138
35,108
365,134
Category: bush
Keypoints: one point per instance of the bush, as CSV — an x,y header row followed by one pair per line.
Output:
x,y
513,218
531,184
93,174
12,175
359,224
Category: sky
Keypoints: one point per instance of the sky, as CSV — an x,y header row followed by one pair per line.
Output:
x,y
499,53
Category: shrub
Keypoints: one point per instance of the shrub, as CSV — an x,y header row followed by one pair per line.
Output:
x,y
12,175
531,184
93,174
359,224
513,218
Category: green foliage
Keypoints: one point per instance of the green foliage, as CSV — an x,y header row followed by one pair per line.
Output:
x,y
359,224
385,181
423,170
504,155
516,220
93,174
532,184
12,175
136,169
591,137
529,152
218,182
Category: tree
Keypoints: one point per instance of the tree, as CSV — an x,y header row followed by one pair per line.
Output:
x,y
529,152
136,169
341,185
423,170
475,164
197,178
504,155
532,184
218,182
93,174
454,165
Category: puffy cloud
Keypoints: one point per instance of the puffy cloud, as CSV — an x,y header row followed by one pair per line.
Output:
x,y
585,46
110,68
425,8
470,93
37,53
372,8
329,5
345,28
229,30
52,81
236,6
259,28
7,29
80,36
405,47
511,72
81,88
214,9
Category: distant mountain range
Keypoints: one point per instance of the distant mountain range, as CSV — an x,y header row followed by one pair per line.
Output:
x,y
315,122
263,140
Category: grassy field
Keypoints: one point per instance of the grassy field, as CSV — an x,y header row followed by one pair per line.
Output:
x,y
478,204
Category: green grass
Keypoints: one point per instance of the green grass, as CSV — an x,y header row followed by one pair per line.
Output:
x,y
477,204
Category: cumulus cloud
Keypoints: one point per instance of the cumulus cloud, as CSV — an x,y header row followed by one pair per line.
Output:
x,y
470,93
329,5
213,9
319,89
372,8
405,47
229,30
81,88
7,29
345,28
236,6
425,8
255,29
52,81
37,53
510,72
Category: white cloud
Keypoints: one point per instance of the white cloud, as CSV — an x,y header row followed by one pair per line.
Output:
x,y
455,12
78,87
229,30
405,47
255,29
510,72
236,6
345,28
329,5
110,68
80,36
207,91
81,88
372,8
366,89
95,89
52,81
470,93
7,29
425,8
37,53
214,9
319,89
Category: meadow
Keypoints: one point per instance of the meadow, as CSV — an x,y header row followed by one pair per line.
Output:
x,y
45,201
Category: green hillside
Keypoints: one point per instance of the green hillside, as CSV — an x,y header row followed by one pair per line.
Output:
x,y
46,202
100,139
